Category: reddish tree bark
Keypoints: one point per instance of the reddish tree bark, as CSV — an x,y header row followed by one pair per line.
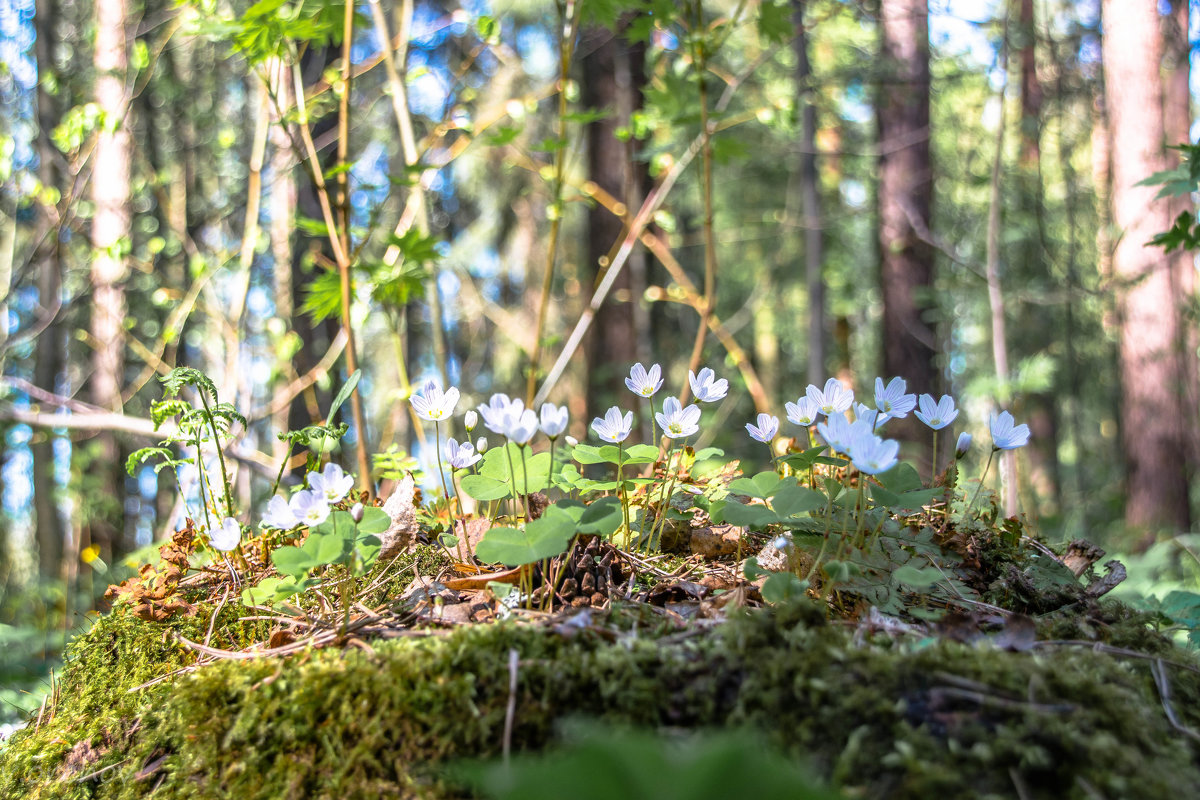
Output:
x,y
905,197
1153,422
612,81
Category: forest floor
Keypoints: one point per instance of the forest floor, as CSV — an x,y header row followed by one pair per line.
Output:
x,y
972,663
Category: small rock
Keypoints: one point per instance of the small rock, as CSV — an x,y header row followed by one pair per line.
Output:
x,y
716,541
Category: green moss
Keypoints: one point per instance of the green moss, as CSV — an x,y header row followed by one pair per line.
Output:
x,y
880,717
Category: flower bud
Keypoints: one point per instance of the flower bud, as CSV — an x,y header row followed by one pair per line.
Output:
x,y
571,440
964,444
357,512
782,543
481,445
471,420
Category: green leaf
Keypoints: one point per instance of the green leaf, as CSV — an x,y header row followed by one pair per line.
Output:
x,y
782,586
839,571
750,516
792,501
323,296
272,591
505,134
495,466
344,394
484,488
542,538
751,569
292,560
901,478
761,486
775,21
603,517
917,577
374,520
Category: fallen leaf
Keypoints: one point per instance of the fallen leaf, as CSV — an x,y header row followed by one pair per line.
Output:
x,y
402,511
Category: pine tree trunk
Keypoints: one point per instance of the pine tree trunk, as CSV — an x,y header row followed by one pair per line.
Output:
x,y
810,200
1177,121
905,197
48,356
1148,309
110,233
612,71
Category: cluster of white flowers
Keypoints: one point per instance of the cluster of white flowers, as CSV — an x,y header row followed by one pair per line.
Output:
x,y
309,506
675,420
858,439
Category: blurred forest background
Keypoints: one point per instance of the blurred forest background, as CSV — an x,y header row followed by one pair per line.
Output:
x,y
282,192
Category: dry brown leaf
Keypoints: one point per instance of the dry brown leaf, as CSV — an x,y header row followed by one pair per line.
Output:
x,y
402,510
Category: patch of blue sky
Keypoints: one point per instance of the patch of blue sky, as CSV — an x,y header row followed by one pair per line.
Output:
x,y
855,105
428,95
18,489
959,28
538,51
430,26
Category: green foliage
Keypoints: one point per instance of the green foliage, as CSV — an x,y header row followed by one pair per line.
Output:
x,y
272,28
323,296
494,482
600,763
542,538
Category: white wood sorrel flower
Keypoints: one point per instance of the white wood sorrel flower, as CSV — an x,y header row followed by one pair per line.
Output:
x,y
833,399
554,420
706,386
1006,435
937,415
460,456
614,427
766,429
892,400
331,483
803,412
676,421
432,404
644,382
226,537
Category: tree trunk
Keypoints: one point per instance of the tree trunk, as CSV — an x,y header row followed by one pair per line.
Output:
x,y
1152,434
110,233
48,357
1177,121
612,71
1030,257
905,197
282,203
810,200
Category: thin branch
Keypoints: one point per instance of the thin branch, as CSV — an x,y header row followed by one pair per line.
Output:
x,y
650,207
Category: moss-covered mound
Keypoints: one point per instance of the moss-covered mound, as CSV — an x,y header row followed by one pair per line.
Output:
x,y
879,715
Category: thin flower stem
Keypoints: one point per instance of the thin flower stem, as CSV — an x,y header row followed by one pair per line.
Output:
x,y
437,446
550,469
933,475
666,501
525,477
621,487
512,477
812,470
220,456
859,507
200,476
979,488
282,467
